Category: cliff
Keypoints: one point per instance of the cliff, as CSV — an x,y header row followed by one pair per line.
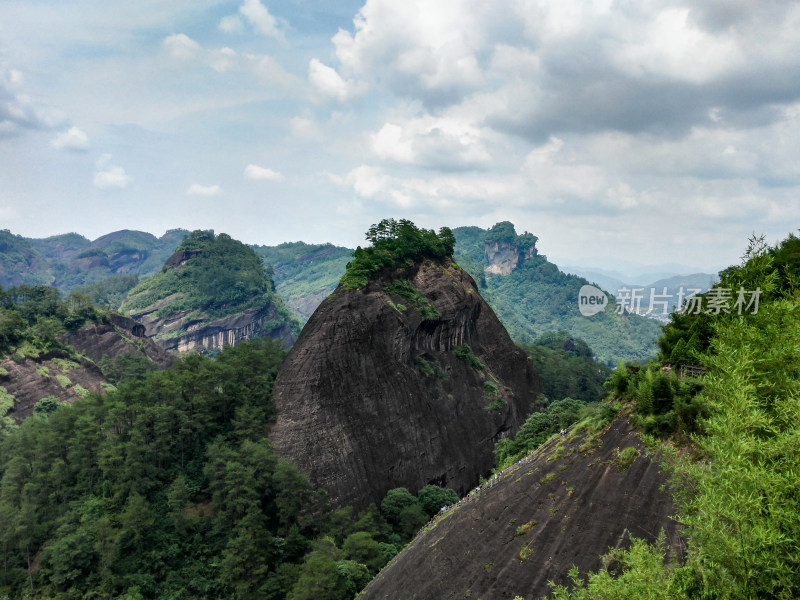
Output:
x,y
565,504
407,381
503,257
183,330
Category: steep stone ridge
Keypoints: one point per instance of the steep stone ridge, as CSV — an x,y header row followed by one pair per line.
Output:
x,y
213,291
183,331
372,396
564,505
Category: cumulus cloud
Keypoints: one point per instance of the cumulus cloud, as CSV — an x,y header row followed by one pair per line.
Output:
x,y
108,176
330,84
203,190
71,139
181,47
426,50
547,68
262,173
446,143
260,18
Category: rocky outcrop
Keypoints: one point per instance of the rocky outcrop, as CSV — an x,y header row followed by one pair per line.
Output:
x,y
56,376
121,336
373,395
566,504
503,257
183,331
63,376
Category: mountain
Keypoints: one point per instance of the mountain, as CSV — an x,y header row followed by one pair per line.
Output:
x,y
565,504
213,291
70,260
305,274
21,263
400,379
531,296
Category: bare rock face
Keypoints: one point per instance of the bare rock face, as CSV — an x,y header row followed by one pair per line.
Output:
x,y
373,395
566,504
504,257
183,331
31,380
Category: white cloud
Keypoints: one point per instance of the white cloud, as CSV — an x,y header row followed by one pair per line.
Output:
x,y
203,190
263,173
305,128
426,50
181,47
223,60
7,213
330,84
260,18
447,142
267,70
18,110
111,177
230,24
71,139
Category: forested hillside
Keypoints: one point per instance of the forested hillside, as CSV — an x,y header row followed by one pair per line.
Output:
x,y
733,438
212,291
532,297
70,260
304,274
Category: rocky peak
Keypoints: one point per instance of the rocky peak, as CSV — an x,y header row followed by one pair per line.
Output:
x,y
504,250
407,381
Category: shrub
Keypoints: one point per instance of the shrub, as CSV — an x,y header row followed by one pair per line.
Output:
x,y
464,354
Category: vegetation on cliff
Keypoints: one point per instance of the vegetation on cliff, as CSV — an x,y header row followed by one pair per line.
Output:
x,y
395,243
739,506
168,487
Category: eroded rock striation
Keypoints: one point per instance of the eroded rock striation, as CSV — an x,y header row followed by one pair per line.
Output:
x,y
405,382
566,504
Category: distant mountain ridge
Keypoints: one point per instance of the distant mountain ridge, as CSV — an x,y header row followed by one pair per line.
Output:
x,y
609,281
531,296
70,260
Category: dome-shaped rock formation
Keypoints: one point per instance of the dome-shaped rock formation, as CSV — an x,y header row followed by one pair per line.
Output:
x,y
407,381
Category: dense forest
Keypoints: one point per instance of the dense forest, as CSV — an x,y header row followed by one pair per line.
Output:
x,y
168,488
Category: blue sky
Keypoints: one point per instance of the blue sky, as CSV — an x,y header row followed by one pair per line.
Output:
x,y
650,132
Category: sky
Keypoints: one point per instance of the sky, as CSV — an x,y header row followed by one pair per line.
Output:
x,y
644,131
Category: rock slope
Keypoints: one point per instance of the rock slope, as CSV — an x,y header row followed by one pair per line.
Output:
x,y
405,382
564,505
59,375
